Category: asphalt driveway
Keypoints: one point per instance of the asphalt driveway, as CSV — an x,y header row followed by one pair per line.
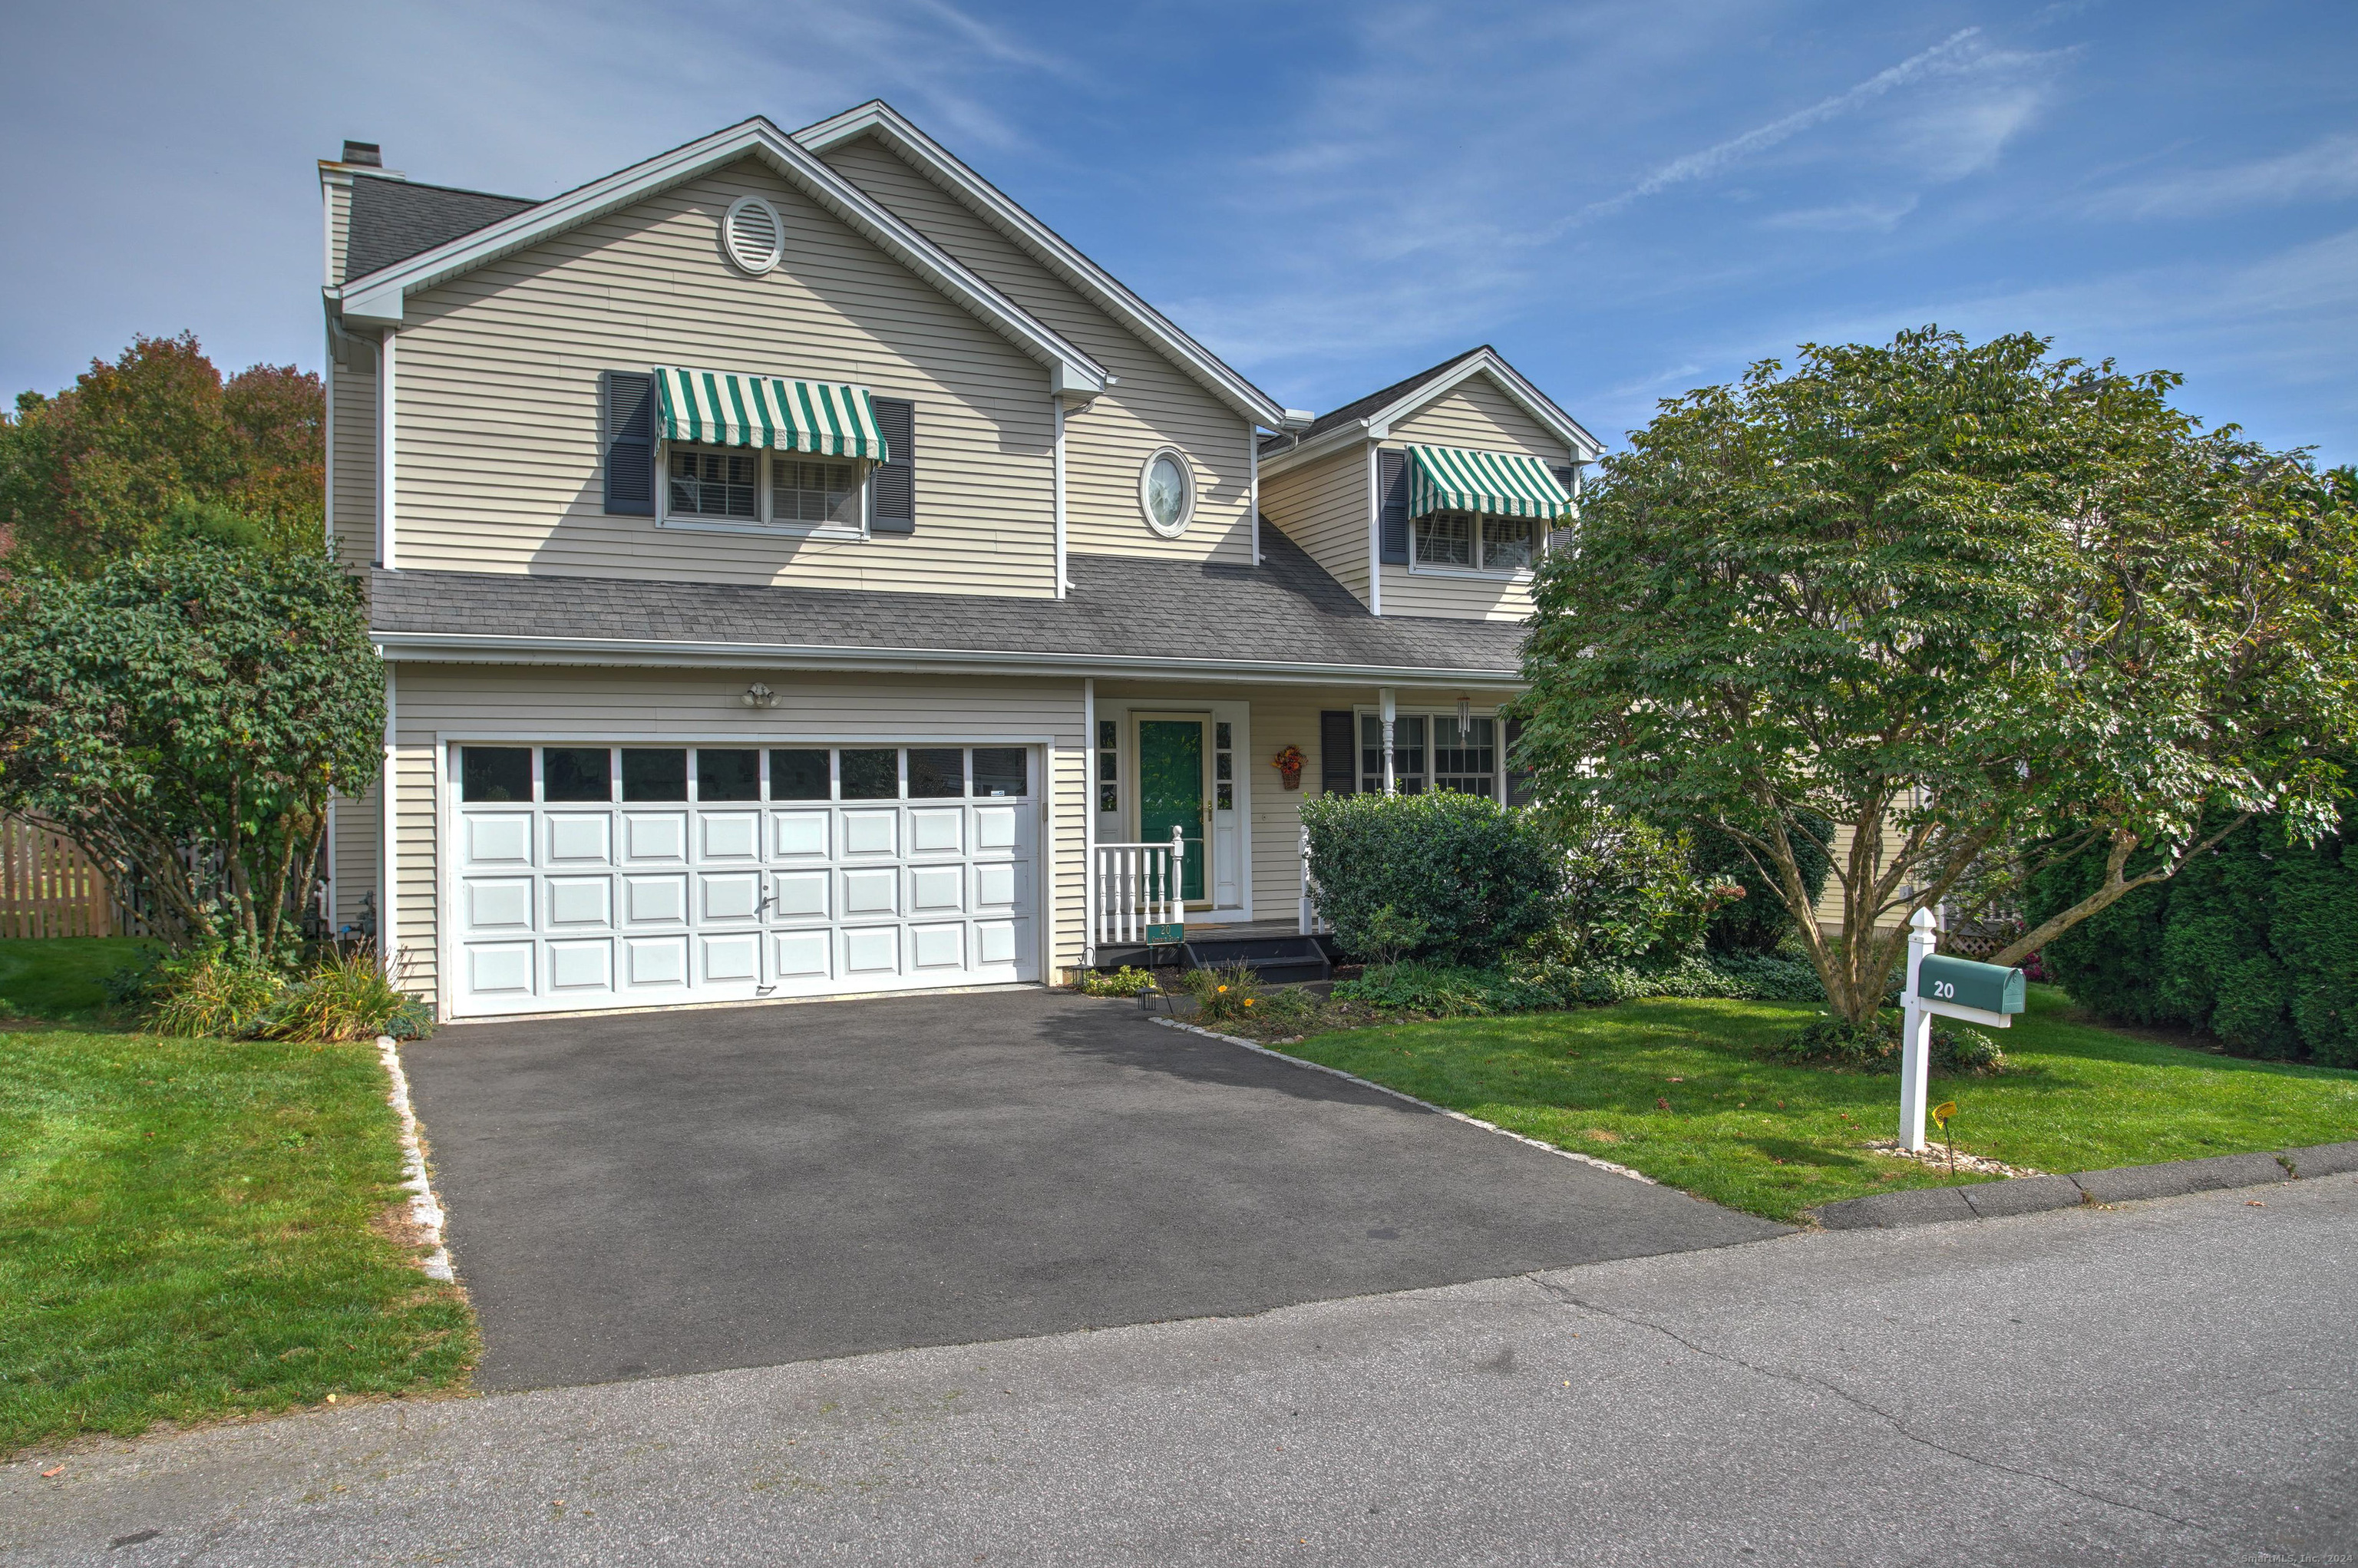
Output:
x,y
643,1194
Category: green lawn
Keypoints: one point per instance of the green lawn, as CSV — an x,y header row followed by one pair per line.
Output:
x,y
185,1232
63,977
1674,1089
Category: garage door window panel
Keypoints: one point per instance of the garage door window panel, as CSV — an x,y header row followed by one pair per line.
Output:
x,y
1001,771
801,775
576,772
729,775
871,773
494,773
937,772
655,775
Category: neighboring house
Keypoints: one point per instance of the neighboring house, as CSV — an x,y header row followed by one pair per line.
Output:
x,y
799,572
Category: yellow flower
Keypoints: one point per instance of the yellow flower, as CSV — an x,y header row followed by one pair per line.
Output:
x,y
1248,1001
1223,991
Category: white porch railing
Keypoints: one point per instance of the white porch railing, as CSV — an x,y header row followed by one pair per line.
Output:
x,y
1313,923
1139,885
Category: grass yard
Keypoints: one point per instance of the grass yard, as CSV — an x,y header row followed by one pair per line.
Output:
x,y
186,1231
1675,1088
63,977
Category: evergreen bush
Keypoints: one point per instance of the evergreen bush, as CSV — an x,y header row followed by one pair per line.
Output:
x,y
1479,878
2255,943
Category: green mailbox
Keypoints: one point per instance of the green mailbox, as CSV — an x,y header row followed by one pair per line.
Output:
x,y
1961,982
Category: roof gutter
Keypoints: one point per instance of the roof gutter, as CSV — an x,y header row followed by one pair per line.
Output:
x,y
474,647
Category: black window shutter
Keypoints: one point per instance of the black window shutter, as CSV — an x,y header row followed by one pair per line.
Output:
x,y
628,400
1391,483
1519,777
1338,752
1564,473
896,479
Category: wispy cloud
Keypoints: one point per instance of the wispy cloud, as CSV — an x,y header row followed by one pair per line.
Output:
x,y
1847,217
1760,139
2325,170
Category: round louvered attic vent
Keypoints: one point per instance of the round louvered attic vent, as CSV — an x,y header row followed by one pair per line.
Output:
x,y
752,235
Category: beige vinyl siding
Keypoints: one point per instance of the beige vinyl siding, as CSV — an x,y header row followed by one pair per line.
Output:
x,y
440,704
498,390
1829,909
1323,507
355,497
1107,442
1473,597
336,190
1474,413
353,868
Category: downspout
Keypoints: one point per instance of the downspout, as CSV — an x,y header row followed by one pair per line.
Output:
x,y
1376,572
1252,455
1059,405
1089,821
387,948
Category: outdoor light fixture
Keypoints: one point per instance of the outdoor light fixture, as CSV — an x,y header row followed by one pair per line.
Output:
x,y
759,696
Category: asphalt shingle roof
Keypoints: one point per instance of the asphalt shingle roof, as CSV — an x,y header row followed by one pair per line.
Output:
x,y
394,220
1286,610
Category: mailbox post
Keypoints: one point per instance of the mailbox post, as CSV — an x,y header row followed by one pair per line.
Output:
x,y
1949,988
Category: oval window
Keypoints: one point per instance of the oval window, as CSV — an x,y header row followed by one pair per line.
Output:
x,y
1166,493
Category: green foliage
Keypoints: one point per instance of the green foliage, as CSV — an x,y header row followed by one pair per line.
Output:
x,y
197,696
220,991
1479,877
66,976
1386,936
1228,993
2255,942
1760,920
1443,990
1629,888
1941,596
1874,1046
157,446
346,997
1123,981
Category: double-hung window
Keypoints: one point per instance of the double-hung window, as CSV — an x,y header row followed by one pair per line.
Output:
x,y
824,497
1429,751
1464,541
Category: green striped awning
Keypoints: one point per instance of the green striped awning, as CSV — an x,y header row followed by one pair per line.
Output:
x,y
722,410
1497,484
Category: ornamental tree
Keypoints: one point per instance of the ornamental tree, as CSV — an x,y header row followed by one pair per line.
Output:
x,y
185,714
1922,603
156,445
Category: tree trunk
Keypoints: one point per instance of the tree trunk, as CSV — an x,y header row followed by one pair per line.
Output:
x,y
2110,891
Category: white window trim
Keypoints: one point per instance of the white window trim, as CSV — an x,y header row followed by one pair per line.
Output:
x,y
1497,735
762,524
1485,574
1186,472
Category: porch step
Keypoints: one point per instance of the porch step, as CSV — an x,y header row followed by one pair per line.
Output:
x,y
1278,960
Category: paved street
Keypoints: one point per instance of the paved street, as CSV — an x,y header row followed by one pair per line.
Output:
x,y
2168,1383
650,1193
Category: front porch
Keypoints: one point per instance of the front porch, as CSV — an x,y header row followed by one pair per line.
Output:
x,y
1194,831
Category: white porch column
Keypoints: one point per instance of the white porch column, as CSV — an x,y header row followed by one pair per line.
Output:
x,y
1088,814
1388,715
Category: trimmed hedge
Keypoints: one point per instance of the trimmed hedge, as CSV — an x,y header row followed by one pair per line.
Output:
x,y
2256,943
1758,921
1480,877
1461,991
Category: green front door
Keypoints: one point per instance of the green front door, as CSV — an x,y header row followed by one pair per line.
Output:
x,y
1171,791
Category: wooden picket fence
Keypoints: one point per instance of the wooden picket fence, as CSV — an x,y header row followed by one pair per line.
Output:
x,y
49,888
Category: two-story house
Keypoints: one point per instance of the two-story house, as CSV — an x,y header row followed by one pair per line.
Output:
x,y
799,572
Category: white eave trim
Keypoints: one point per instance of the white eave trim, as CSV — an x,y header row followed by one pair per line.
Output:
x,y
1377,426
474,647
377,299
1046,246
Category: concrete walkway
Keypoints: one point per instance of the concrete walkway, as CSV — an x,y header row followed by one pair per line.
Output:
x,y
2167,1383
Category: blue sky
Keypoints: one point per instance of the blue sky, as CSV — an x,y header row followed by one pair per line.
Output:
x,y
1628,199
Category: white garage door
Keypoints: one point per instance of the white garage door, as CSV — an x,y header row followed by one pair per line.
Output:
x,y
620,876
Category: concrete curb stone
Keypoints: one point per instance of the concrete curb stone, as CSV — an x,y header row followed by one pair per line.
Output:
x,y
2122,1184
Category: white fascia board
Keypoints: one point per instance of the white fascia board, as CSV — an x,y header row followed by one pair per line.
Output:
x,y
1326,444
1046,246
1584,446
455,648
377,299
